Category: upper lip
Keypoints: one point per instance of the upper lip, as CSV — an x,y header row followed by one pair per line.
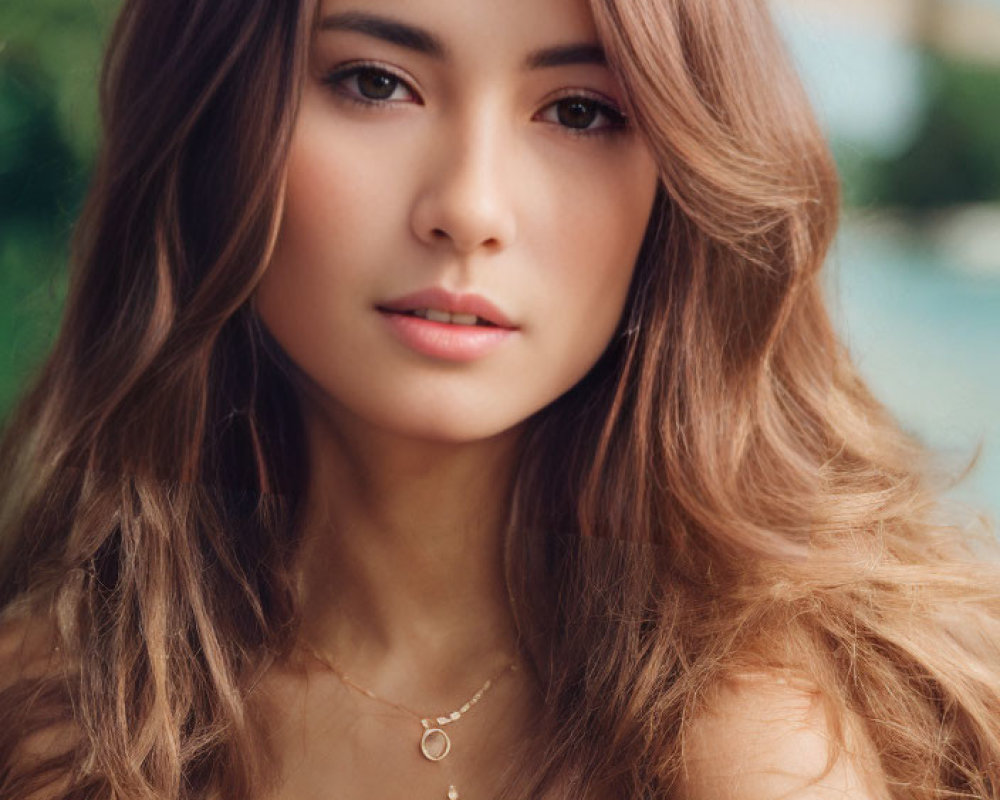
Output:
x,y
443,300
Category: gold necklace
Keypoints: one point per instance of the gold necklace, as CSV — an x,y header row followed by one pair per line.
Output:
x,y
435,744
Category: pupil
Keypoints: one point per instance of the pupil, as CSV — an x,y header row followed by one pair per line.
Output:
x,y
376,85
577,113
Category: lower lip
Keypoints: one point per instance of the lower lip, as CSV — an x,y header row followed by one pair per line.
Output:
x,y
446,341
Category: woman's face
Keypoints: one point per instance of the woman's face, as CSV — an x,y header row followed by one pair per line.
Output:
x,y
462,160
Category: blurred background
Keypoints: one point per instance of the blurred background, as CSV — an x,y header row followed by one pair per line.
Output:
x,y
909,91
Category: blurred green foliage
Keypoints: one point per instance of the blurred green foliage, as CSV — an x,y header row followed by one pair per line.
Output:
x,y
49,64
953,157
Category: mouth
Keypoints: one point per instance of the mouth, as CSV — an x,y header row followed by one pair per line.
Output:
x,y
437,315
439,305
447,327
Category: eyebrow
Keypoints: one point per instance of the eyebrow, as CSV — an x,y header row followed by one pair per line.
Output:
x,y
564,55
389,30
426,43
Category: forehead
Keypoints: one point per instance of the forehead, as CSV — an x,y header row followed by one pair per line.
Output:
x,y
478,29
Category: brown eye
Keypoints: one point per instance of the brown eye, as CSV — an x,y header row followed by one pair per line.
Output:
x,y
375,84
577,113
580,115
370,85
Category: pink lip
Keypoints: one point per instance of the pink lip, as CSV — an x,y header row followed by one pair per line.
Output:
x,y
442,340
443,300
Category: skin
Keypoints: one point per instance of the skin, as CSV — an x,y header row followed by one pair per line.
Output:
x,y
465,174
763,736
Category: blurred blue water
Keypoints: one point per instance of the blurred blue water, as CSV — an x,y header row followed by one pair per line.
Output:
x,y
927,338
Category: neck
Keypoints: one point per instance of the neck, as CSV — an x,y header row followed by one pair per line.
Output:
x,y
402,564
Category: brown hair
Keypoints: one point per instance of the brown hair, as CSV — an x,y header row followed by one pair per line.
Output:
x,y
720,493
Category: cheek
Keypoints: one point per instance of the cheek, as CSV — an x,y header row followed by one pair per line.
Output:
x,y
338,201
601,219
338,193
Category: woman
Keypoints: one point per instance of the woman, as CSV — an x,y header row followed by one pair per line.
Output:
x,y
445,406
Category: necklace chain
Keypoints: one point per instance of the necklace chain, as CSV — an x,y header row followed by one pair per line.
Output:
x,y
425,721
435,743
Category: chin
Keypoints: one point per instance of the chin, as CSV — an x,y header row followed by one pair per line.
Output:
x,y
448,426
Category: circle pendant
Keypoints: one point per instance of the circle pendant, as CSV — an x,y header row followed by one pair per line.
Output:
x,y
435,744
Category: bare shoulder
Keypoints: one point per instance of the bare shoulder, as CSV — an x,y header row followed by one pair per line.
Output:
x,y
764,736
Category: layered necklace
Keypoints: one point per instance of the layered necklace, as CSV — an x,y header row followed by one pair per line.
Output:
x,y
435,744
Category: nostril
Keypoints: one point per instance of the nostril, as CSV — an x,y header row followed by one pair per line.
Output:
x,y
442,235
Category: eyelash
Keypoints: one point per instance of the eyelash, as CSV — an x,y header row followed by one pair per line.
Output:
x,y
616,121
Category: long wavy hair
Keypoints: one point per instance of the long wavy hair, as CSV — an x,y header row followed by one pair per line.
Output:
x,y
720,493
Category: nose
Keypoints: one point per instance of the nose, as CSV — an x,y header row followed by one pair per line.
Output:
x,y
464,201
